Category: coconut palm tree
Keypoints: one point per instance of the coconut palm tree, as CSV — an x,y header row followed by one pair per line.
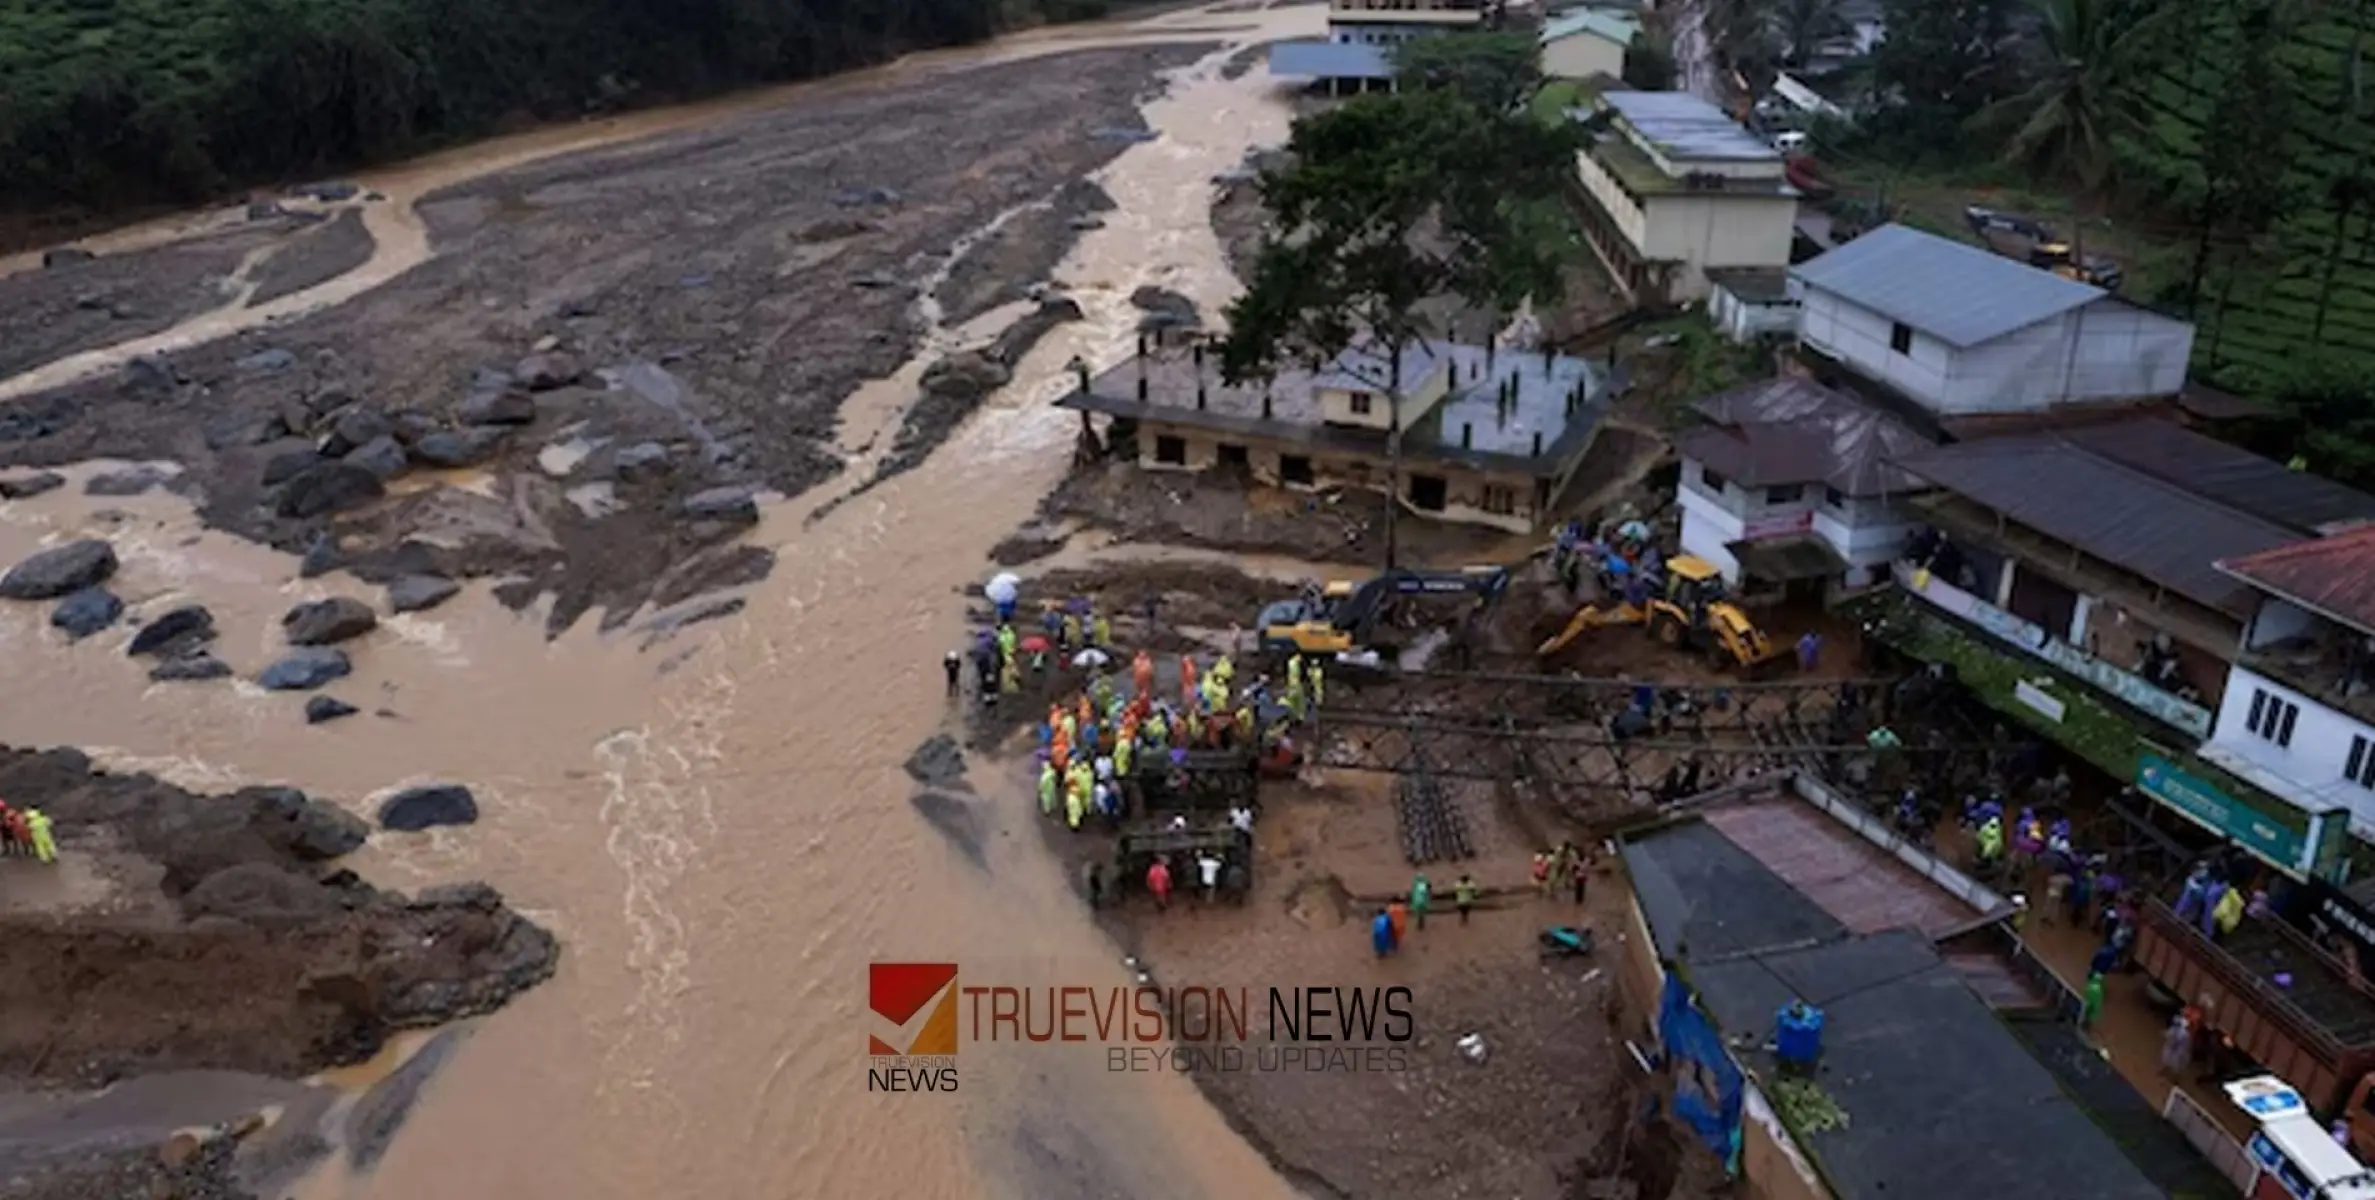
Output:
x,y
2082,99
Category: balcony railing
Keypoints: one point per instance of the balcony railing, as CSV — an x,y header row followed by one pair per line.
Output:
x,y
2184,715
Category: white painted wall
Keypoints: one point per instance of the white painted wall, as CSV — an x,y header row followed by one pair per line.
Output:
x,y
1704,230
2309,771
1741,321
2101,351
1581,56
1706,530
1867,532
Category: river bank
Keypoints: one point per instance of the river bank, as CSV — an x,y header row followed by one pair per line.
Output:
x,y
709,817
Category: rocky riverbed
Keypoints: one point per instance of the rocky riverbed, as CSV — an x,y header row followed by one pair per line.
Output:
x,y
612,358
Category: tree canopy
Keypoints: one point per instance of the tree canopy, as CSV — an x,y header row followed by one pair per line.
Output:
x,y
1386,201
111,103
1493,71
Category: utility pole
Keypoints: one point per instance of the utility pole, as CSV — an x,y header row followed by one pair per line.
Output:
x,y
1393,453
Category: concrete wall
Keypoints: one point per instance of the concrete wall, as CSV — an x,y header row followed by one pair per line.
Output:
x,y
1418,395
1581,56
1741,321
1466,492
2308,772
1867,532
2100,351
1704,230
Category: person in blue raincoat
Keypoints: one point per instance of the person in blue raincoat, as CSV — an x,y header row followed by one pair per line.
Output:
x,y
1381,934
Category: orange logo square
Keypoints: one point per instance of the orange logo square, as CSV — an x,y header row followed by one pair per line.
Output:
x,y
898,993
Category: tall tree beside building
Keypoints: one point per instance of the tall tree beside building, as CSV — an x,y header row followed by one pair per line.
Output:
x,y
1385,202
1494,71
2081,100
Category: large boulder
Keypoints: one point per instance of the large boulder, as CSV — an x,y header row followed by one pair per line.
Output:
x,y
175,633
329,487
306,670
289,464
505,407
86,612
60,571
325,622
640,462
306,827
419,593
268,361
192,667
735,504
327,708
966,375
449,449
383,456
25,487
359,425
415,809
545,372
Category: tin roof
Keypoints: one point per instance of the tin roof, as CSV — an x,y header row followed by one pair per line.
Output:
x,y
2333,575
2151,526
1906,1039
1682,126
1958,293
1783,431
2229,474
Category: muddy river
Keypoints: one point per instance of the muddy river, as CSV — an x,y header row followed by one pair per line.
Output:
x,y
715,823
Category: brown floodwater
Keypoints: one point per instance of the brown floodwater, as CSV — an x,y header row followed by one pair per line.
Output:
x,y
714,822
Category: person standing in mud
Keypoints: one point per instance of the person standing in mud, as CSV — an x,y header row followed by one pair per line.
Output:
x,y
1422,897
1158,883
1463,895
37,823
1580,874
10,847
20,832
954,666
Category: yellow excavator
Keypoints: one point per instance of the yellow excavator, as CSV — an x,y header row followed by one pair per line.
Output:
x,y
1345,616
1696,612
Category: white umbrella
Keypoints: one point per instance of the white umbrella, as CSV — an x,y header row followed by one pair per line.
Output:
x,y
1002,589
1091,657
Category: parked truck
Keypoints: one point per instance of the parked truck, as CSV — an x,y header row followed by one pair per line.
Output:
x,y
2285,1003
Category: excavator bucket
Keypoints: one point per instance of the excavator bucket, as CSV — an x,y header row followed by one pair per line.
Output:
x,y
1590,617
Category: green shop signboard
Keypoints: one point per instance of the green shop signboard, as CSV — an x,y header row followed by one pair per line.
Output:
x,y
2197,798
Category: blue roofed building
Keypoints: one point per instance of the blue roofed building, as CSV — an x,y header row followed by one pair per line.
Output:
x,y
1358,53
1968,333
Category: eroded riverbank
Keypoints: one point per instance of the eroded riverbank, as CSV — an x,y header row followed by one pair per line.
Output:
x,y
714,824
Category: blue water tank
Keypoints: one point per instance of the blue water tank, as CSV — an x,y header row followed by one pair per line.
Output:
x,y
1797,1034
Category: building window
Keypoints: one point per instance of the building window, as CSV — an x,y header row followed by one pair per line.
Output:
x,y
1900,338
1715,483
1500,500
1835,498
1786,494
2361,771
2272,718
1233,456
1294,468
1361,403
1171,450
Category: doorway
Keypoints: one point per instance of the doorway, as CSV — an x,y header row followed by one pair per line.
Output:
x,y
1234,456
1294,468
1428,493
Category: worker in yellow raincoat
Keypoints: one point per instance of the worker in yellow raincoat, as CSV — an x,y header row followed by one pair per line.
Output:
x,y
1047,787
45,845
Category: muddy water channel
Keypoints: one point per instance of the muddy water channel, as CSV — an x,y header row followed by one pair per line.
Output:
x,y
715,822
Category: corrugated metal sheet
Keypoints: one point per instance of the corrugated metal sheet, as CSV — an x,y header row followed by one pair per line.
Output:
x,y
2142,524
1789,430
1329,60
2228,474
1683,126
1960,294
2334,575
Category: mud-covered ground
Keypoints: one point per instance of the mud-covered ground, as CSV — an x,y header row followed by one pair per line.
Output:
x,y
179,932
709,299
49,313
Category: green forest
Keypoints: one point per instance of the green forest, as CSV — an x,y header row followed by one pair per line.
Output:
x,y
107,105
2224,147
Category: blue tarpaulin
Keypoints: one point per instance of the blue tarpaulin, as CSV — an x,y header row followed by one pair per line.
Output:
x,y
1707,1084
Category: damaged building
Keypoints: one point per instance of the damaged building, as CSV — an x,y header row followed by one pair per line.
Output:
x,y
1488,436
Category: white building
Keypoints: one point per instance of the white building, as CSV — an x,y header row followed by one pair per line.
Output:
x,y
1586,43
1677,189
1792,482
1967,332
2298,719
